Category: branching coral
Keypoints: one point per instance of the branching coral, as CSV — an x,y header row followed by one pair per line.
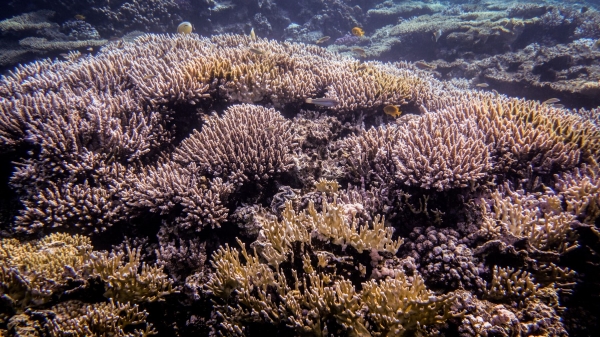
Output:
x,y
527,131
508,284
539,218
369,155
110,140
129,280
247,143
580,190
306,304
398,305
436,152
32,272
166,186
74,318
307,298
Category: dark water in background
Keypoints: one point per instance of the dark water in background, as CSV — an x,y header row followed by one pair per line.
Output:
x,y
473,53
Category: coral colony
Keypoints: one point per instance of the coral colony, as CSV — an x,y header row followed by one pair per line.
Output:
x,y
234,185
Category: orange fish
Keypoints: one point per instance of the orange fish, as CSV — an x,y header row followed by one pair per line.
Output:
x,y
357,31
392,110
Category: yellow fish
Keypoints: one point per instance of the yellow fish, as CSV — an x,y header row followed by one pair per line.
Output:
x,y
184,28
392,110
80,17
357,31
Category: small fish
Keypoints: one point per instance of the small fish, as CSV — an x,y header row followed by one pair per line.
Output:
x,y
328,102
437,34
361,52
551,101
65,55
80,17
184,28
323,39
423,65
361,67
257,51
147,77
596,45
114,38
90,49
558,106
482,85
252,34
392,110
357,31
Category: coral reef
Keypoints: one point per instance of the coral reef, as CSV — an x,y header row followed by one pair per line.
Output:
x,y
33,34
569,72
182,185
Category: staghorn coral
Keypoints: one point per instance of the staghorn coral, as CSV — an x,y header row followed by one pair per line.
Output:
x,y
307,303
247,143
110,113
510,285
129,279
580,190
539,218
457,146
332,223
435,153
166,186
397,305
73,318
312,295
526,131
32,272
120,125
369,155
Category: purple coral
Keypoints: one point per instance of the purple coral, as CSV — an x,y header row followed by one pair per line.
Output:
x,y
347,40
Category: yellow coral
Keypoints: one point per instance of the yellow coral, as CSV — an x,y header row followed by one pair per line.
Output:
x,y
397,305
131,280
32,271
